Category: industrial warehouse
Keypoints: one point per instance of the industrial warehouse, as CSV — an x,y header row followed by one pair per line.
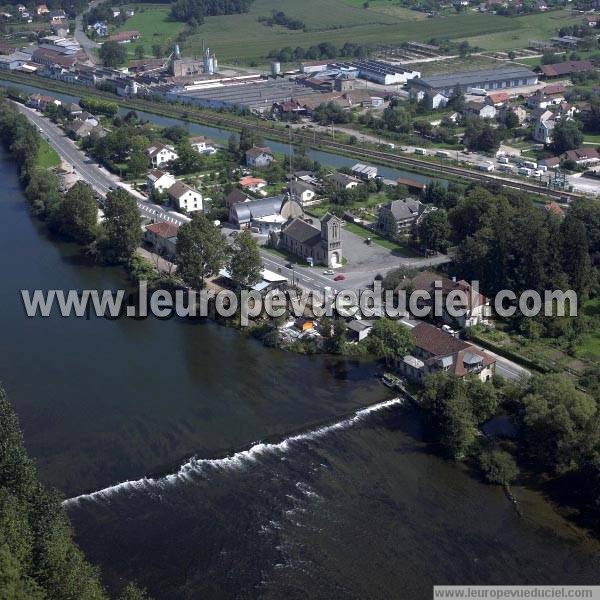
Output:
x,y
485,79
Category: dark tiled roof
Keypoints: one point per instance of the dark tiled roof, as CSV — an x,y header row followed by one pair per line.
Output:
x,y
164,229
303,232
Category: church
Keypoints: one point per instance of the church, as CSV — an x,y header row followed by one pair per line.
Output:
x,y
317,245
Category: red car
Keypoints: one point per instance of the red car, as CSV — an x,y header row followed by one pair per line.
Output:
x,y
339,278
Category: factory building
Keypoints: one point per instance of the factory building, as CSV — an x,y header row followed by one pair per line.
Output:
x,y
485,79
382,72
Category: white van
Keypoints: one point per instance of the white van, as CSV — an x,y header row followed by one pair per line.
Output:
x,y
530,164
420,151
525,171
486,166
503,160
442,154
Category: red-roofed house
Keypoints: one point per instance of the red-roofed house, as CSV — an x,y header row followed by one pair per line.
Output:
x,y
497,98
124,37
435,350
583,156
162,238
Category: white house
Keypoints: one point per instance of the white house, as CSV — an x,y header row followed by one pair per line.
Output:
x,y
203,145
160,154
184,197
159,180
259,157
301,191
543,129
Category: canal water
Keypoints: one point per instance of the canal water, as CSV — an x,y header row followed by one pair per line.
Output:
x,y
245,472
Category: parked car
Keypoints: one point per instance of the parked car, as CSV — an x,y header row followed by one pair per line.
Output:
x,y
328,272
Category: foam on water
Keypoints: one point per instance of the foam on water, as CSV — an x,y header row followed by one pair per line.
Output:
x,y
236,461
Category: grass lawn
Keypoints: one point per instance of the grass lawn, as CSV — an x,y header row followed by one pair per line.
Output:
x,y
242,39
154,25
47,156
538,26
380,240
590,138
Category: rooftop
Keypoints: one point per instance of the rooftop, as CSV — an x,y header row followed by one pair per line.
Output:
x,y
479,76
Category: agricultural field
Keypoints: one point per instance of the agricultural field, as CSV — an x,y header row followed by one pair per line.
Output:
x,y
154,25
539,26
241,39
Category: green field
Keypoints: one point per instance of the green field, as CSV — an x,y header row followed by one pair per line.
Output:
x,y
539,26
154,25
242,39
47,156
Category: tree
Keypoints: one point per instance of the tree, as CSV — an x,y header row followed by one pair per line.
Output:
x,y
201,251
122,227
76,216
138,163
334,335
566,136
248,138
157,50
511,120
245,264
575,255
389,339
112,54
188,160
457,99
140,51
434,230
498,466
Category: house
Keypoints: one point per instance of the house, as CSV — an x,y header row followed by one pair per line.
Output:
x,y
358,330
236,196
162,238
341,181
399,216
301,192
474,305
58,17
101,28
550,163
265,215
21,8
41,9
40,102
435,350
542,100
184,197
566,68
259,157
517,109
74,109
80,128
479,109
269,281
160,154
497,98
435,100
590,20
129,13
48,57
317,245
159,180
125,37
364,172
543,129
413,186
116,13
254,184
582,156
203,145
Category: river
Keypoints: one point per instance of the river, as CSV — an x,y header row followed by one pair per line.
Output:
x,y
330,506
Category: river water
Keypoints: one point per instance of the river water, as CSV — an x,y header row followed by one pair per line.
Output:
x,y
245,472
